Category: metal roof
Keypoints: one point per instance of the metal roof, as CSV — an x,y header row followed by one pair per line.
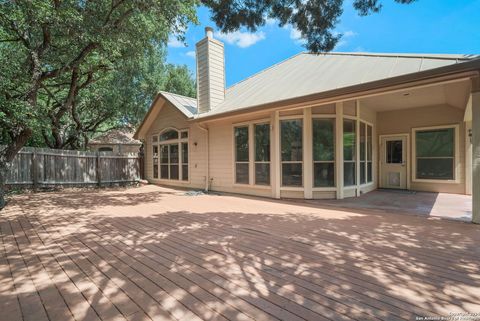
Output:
x,y
307,73
187,105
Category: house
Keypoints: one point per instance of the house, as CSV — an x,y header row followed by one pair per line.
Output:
x,y
116,141
317,126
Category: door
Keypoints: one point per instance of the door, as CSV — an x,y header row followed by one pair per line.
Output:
x,y
393,162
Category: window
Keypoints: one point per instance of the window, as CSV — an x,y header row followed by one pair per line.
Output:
x,y
262,154
365,153
169,135
349,152
435,154
241,155
323,152
292,152
155,156
185,161
170,155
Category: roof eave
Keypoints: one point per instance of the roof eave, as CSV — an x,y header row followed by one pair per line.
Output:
x,y
472,67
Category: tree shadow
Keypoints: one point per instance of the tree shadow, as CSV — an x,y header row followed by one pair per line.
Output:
x,y
271,260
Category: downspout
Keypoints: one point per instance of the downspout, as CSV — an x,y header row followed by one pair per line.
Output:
x,y
207,165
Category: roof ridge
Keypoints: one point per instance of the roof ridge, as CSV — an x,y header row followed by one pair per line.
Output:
x,y
268,68
169,93
400,55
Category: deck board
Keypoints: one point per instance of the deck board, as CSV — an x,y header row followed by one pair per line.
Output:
x,y
153,253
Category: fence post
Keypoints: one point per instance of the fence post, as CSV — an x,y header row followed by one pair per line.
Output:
x,y
99,179
34,170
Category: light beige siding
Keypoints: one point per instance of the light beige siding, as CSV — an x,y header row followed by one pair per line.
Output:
x,y
403,121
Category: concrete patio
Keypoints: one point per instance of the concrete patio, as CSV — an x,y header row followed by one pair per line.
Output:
x,y
154,253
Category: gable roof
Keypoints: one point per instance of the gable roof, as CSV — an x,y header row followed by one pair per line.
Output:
x,y
307,73
187,105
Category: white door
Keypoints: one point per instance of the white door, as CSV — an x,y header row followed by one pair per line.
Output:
x,y
393,162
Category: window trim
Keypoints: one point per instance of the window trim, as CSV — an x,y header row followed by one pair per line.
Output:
x,y
456,141
372,160
251,154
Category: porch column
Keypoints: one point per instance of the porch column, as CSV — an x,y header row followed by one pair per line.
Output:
x,y
307,154
476,157
339,149
275,170
357,147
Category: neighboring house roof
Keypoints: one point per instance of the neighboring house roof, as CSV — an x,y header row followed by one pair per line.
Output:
x,y
116,137
308,73
187,105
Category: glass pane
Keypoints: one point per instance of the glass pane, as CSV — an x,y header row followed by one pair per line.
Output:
x,y
435,168
362,173
323,174
164,154
394,152
241,144
155,151
291,138
241,173
185,153
369,172
369,142
185,172
435,143
154,139
348,174
155,169
184,134
348,139
262,143
362,141
171,134
262,174
173,171
174,154
164,171
323,139
292,174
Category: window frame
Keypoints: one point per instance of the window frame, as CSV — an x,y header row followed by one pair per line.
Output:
x,y
255,162
247,162
251,153
366,161
355,159
178,141
456,154
334,161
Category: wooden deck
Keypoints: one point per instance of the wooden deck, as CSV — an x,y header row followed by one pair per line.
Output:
x,y
153,253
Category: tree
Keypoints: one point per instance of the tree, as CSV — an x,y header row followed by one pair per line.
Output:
x,y
314,19
57,57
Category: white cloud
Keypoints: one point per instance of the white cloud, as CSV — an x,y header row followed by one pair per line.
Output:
x,y
349,33
295,35
242,39
190,54
271,21
173,42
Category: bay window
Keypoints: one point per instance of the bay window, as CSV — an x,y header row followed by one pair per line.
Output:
x,y
349,152
435,154
323,152
291,138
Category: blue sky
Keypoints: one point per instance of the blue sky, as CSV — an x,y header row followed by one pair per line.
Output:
x,y
426,26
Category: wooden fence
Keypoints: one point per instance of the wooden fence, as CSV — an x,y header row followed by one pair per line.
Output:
x,y
42,167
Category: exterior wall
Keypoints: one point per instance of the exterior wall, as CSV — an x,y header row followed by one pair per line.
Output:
x,y
169,117
117,148
404,121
